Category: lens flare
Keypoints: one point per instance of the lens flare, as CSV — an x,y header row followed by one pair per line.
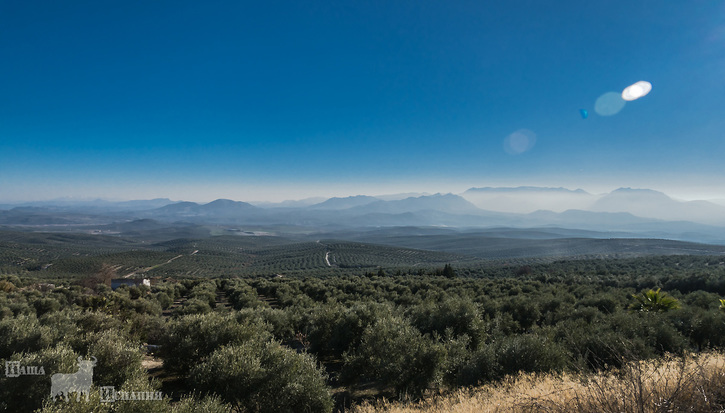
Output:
x,y
636,91
609,104
519,142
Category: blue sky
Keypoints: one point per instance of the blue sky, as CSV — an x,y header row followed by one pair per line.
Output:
x,y
277,100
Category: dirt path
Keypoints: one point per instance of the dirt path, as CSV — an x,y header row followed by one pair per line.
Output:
x,y
221,299
147,269
150,362
327,253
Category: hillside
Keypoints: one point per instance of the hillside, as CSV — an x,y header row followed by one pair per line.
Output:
x,y
69,254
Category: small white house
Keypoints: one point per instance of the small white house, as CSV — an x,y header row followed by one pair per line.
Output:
x,y
117,282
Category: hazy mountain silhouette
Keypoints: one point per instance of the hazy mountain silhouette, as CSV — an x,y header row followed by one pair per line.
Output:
x,y
627,210
525,199
448,203
345,203
654,204
217,210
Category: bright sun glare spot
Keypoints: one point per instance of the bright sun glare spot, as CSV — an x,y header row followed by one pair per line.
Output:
x,y
519,142
609,104
636,91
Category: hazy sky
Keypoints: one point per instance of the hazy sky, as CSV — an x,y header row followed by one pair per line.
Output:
x,y
198,100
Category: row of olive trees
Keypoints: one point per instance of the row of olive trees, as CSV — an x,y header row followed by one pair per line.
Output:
x,y
402,335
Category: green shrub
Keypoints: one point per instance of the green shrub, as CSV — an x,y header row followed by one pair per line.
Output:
x,y
193,337
118,359
524,310
701,299
93,405
529,353
607,304
335,329
144,306
5,312
611,342
394,353
144,328
662,335
242,295
164,300
25,334
140,383
282,323
96,321
193,306
264,377
480,368
211,404
450,319
63,322
134,292
46,305
27,393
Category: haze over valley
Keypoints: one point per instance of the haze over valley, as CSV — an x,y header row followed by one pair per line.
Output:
x,y
480,223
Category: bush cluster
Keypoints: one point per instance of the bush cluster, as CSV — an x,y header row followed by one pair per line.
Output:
x,y
282,344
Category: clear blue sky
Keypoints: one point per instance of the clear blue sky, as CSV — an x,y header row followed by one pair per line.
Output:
x,y
274,100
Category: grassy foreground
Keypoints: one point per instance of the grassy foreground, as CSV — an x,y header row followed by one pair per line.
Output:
x,y
693,383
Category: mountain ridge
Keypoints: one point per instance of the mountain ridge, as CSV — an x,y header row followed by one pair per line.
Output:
x,y
642,211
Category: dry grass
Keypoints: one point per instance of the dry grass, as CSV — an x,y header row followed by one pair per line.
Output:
x,y
673,384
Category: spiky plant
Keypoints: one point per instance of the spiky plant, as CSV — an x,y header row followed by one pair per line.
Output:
x,y
654,301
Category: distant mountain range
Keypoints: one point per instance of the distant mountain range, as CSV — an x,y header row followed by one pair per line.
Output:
x,y
525,199
653,204
219,209
66,204
644,203
642,212
345,203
